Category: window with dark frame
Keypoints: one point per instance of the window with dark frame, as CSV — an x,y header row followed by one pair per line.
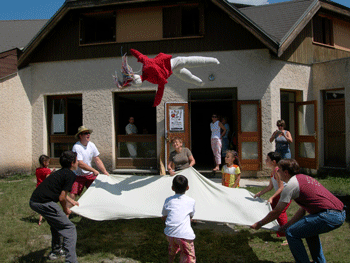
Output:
x,y
182,21
64,117
323,30
99,27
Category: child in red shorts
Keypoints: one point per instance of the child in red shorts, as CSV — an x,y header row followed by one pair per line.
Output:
x,y
177,213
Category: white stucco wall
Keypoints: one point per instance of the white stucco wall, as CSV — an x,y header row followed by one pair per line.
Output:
x,y
332,75
256,76
15,124
254,73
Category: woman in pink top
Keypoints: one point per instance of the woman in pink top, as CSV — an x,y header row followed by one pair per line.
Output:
x,y
216,126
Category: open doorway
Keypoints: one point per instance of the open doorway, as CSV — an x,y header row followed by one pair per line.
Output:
x,y
288,100
143,142
202,104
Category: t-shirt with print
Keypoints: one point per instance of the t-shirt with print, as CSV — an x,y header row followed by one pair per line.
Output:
x,y
309,194
85,154
229,175
50,189
180,159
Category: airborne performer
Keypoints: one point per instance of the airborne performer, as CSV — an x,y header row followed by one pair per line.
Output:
x,y
157,70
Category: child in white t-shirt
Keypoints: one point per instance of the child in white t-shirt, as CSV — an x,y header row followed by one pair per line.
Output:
x,y
231,173
178,211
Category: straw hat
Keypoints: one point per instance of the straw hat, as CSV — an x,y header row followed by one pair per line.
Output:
x,y
82,129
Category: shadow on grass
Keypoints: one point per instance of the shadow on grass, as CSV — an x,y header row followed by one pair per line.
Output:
x,y
35,257
143,240
34,218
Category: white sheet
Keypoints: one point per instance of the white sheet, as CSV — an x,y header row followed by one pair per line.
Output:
x,y
125,197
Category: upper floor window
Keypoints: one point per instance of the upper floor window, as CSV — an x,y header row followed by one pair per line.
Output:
x,y
98,27
323,30
182,21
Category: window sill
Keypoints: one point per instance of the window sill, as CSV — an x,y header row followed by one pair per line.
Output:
x,y
323,45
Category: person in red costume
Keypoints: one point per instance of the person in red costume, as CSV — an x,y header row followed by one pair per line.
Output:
x,y
157,70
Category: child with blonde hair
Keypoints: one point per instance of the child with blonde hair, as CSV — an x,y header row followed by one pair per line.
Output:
x,y
231,172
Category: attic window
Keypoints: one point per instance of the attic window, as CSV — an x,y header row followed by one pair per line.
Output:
x,y
99,27
183,21
323,30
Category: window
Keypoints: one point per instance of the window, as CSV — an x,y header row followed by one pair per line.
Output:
x,y
64,118
182,21
323,30
98,27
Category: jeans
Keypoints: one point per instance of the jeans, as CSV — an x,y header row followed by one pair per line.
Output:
x,y
309,227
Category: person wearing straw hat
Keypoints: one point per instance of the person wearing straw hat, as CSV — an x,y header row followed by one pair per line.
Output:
x,y
86,152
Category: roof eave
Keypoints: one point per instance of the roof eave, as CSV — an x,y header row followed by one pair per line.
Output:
x,y
248,24
306,18
44,31
298,27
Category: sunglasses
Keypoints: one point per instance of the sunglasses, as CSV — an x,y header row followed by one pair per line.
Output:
x,y
85,133
214,116
279,125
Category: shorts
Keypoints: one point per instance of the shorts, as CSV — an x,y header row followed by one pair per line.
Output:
x,y
186,248
81,181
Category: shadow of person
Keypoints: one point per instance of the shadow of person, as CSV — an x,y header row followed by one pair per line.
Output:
x,y
144,240
35,257
31,219
128,184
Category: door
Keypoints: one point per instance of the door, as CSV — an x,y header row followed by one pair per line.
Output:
x,y
176,125
306,142
144,143
334,132
249,135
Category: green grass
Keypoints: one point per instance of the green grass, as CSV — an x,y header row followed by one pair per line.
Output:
x,y
142,240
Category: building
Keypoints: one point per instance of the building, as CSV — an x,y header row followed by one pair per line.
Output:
x,y
287,60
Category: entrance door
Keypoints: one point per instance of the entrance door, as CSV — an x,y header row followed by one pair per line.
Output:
x,y
176,125
306,143
249,135
334,129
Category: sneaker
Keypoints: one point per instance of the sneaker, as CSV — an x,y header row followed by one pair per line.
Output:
x,y
56,254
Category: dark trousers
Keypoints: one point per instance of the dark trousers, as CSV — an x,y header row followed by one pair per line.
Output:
x,y
60,226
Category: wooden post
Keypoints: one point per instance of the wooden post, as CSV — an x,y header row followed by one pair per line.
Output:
x,y
162,158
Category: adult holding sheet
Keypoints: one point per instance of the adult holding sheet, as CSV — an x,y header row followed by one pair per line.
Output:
x,y
86,153
181,158
326,212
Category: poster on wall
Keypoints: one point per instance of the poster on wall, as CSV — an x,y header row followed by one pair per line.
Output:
x,y
177,123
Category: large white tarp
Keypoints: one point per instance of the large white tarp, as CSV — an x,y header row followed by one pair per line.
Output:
x,y
129,196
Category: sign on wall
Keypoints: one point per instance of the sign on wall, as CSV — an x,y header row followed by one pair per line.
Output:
x,y
176,119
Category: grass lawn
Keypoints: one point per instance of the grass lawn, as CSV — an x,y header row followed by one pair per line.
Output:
x,y
142,240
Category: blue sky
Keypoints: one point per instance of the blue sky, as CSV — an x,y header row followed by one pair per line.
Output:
x,y
45,9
